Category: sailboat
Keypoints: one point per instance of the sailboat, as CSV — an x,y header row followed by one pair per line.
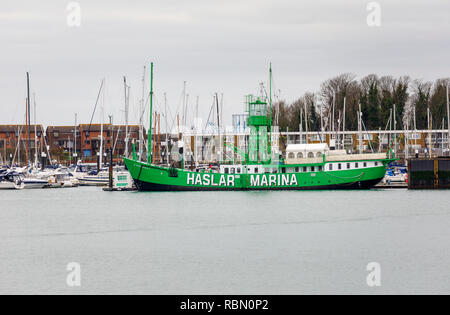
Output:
x,y
306,167
11,180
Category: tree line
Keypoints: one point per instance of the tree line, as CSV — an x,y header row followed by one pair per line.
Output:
x,y
376,96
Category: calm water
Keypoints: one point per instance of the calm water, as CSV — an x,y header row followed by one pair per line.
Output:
x,y
224,242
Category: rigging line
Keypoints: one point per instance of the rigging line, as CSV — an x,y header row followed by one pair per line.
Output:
x,y
177,111
96,103
385,130
117,135
180,103
209,116
370,141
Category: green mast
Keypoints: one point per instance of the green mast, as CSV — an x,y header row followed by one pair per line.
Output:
x,y
149,140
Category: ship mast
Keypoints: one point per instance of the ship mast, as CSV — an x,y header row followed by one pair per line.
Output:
x,y
149,140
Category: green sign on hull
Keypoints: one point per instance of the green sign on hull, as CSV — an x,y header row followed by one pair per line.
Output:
x,y
157,178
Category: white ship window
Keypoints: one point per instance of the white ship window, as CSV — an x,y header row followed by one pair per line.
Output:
x,y
226,170
330,167
239,170
365,164
356,165
291,156
319,154
256,170
348,166
310,155
297,169
340,166
320,168
305,169
300,155
313,169
376,163
232,170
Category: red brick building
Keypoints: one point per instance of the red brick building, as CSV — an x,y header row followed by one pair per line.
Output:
x,y
14,142
88,139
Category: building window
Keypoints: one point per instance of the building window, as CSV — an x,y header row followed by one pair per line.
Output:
x,y
56,134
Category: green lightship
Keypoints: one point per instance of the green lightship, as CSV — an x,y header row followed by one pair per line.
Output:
x,y
306,167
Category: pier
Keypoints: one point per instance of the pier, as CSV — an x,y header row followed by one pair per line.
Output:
x,y
429,173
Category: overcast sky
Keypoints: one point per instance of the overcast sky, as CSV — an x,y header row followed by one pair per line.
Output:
x,y
216,46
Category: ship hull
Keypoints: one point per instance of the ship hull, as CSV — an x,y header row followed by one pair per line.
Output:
x,y
156,178
149,186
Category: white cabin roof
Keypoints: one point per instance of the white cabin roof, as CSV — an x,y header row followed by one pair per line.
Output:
x,y
310,147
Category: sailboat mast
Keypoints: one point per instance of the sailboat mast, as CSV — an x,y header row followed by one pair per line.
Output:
x,y
28,117
141,116
395,129
35,133
270,109
343,124
167,130
26,130
218,128
126,115
306,124
101,128
183,117
149,140
159,139
75,155
448,120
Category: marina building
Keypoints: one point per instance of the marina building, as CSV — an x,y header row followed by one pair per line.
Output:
x,y
15,139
